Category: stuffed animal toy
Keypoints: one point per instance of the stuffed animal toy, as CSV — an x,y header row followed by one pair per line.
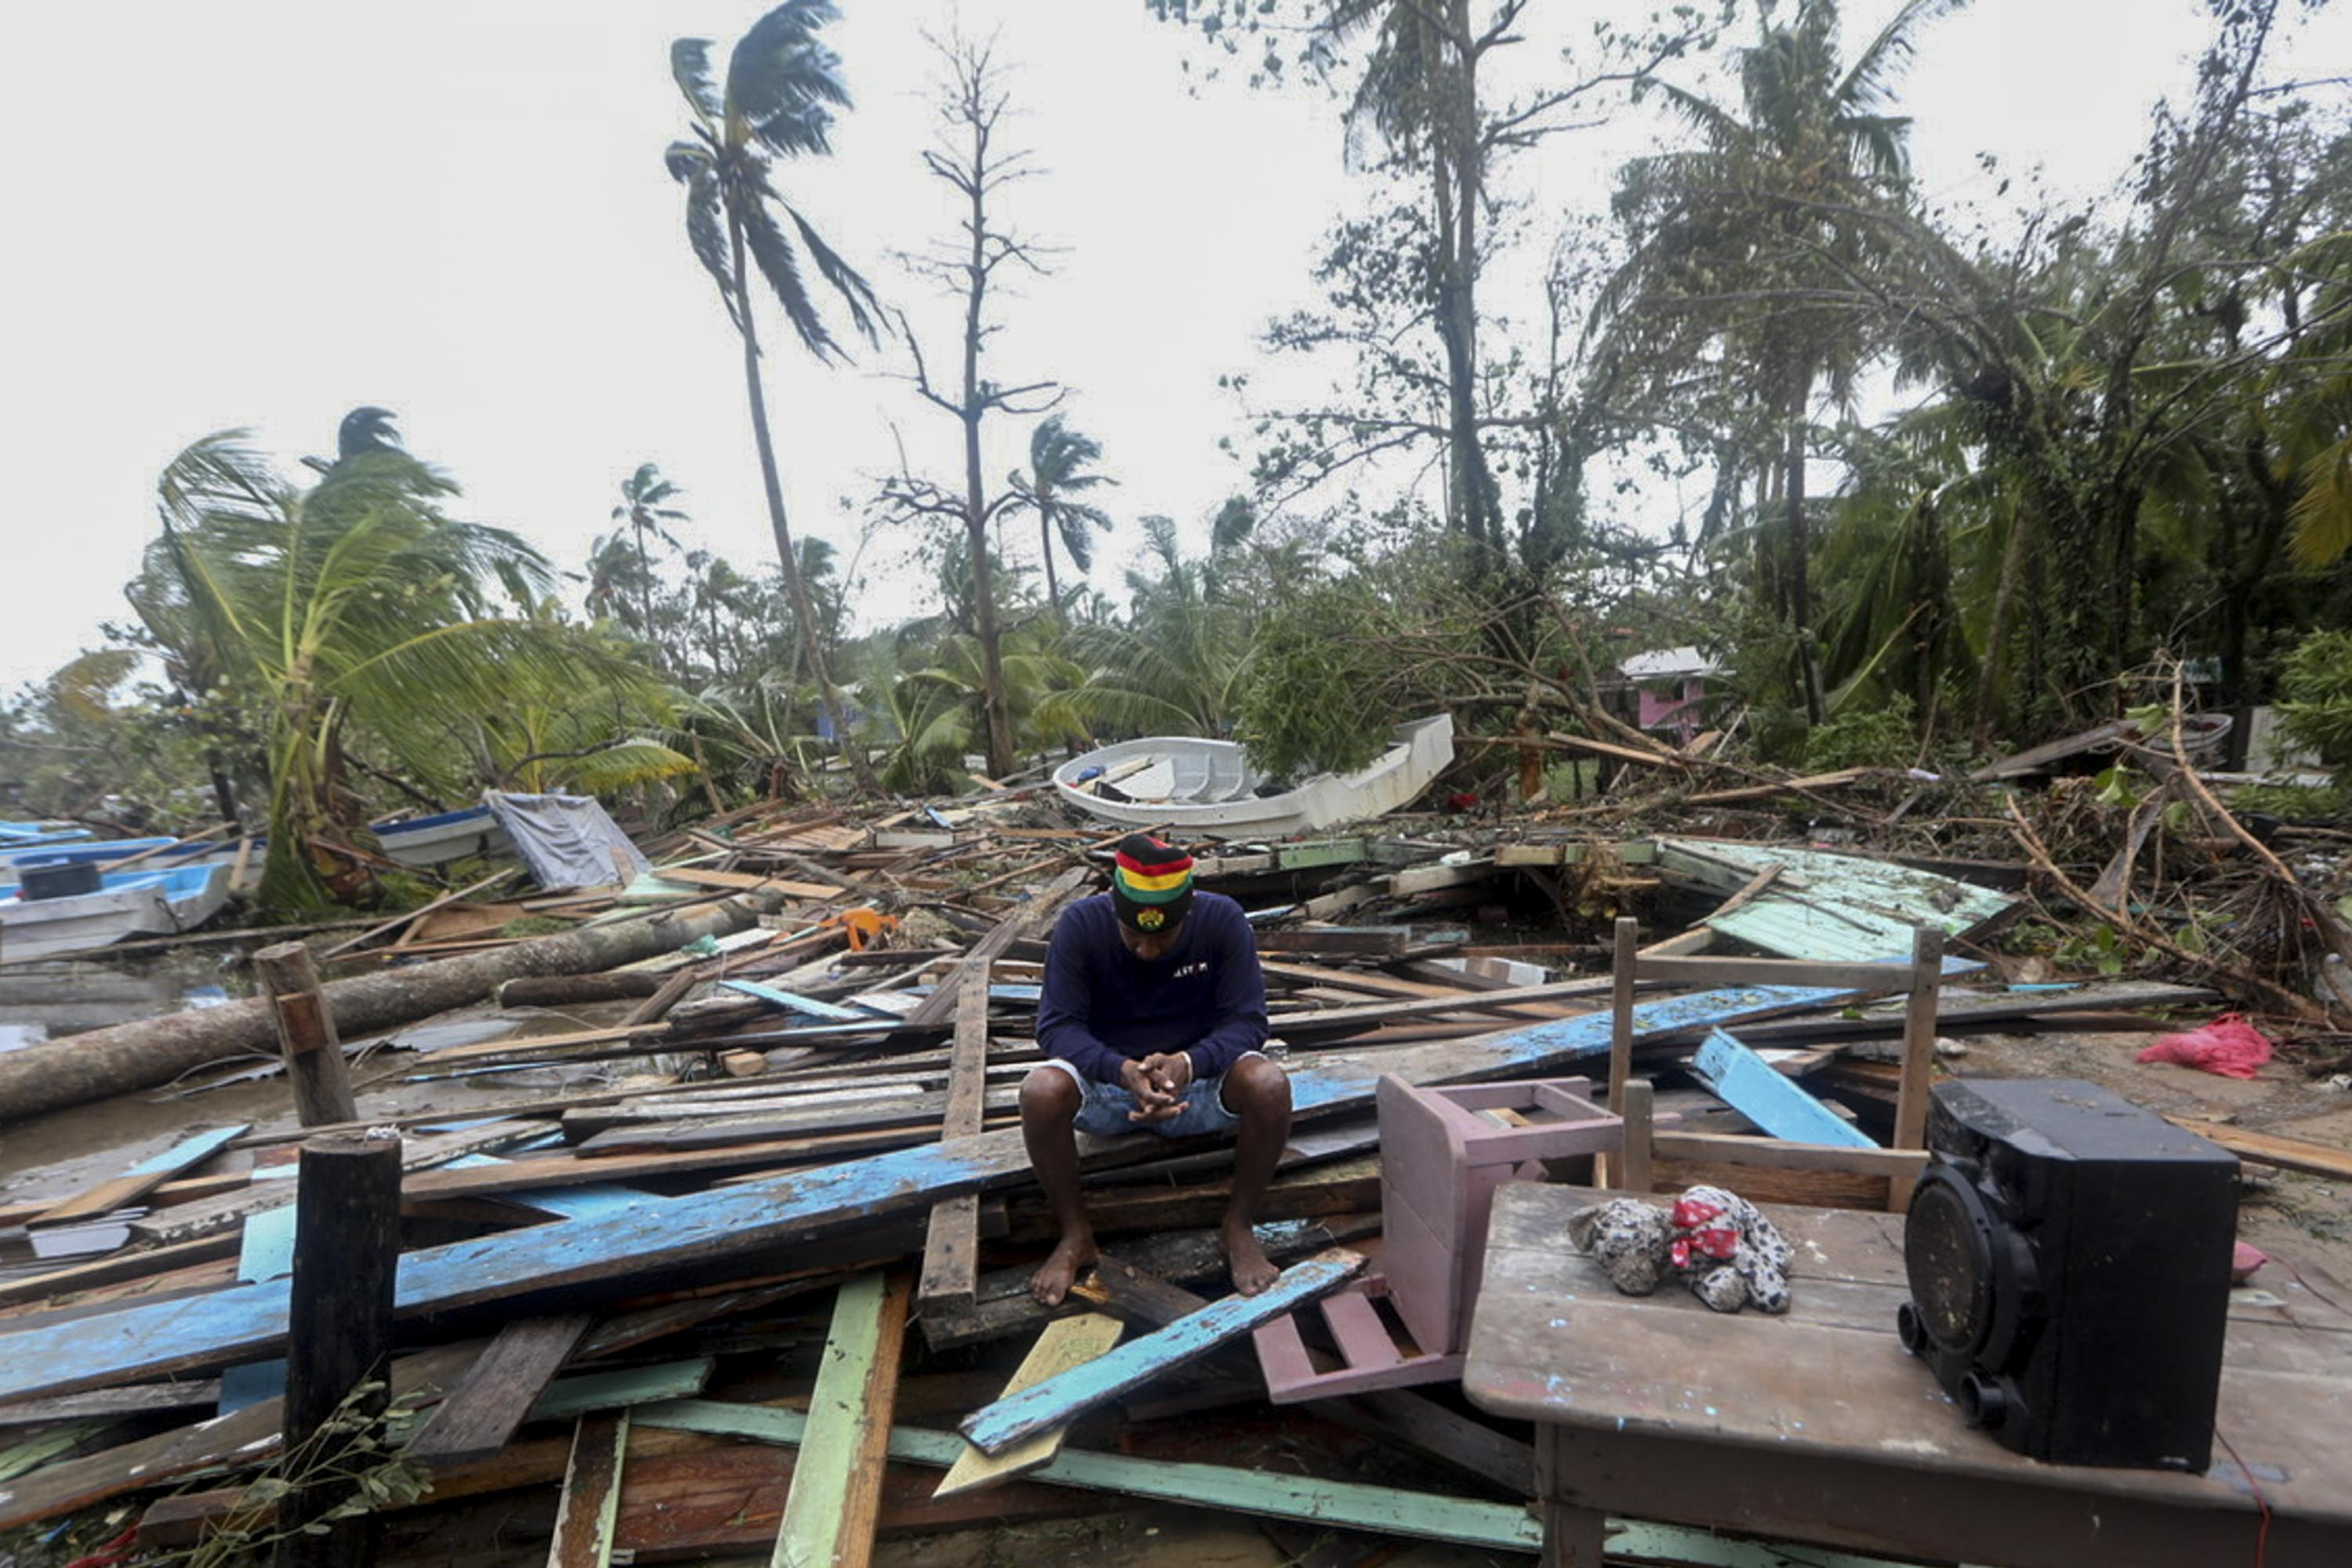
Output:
x,y
1716,1241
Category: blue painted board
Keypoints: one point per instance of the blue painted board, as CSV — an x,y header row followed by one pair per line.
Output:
x,y
1747,1083
181,1155
1066,1395
793,1002
228,1325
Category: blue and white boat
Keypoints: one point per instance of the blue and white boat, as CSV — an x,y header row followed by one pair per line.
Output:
x,y
126,904
449,835
83,852
24,835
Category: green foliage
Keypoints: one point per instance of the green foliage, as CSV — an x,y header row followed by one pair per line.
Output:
x,y
1880,737
2315,709
1311,703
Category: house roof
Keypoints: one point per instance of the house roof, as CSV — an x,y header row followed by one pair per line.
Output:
x,y
1669,664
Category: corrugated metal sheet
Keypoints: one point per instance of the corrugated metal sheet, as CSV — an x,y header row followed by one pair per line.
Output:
x,y
1828,906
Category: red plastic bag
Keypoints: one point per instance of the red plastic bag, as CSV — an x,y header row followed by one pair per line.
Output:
x,y
2228,1046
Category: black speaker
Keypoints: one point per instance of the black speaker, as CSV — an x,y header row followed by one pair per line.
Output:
x,y
2069,1260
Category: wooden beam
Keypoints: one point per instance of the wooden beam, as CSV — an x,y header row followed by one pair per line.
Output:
x,y
1623,972
2270,1149
1776,1154
1918,1054
306,1034
1066,1343
1059,1399
591,1498
836,1490
951,1252
497,1391
346,1248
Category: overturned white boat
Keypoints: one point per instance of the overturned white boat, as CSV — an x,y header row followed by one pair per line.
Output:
x,y
123,904
1195,786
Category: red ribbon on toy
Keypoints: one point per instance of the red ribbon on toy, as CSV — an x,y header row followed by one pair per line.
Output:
x,y
1700,1237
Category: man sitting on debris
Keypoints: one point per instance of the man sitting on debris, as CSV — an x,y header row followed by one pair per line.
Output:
x,y
1152,1014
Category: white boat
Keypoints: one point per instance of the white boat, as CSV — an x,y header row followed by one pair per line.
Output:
x,y
126,904
450,836
1196,787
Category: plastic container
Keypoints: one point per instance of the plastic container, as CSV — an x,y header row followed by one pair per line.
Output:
x,y
56,876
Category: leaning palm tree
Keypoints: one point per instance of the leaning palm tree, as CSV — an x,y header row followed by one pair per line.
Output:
x,y
354,607
1735,238
642,495
1059,460
777,102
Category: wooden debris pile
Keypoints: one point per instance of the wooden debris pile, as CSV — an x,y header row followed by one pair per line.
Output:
x,y
730,1250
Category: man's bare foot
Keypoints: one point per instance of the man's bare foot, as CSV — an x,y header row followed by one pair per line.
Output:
x,y
1060,1271
1253,1270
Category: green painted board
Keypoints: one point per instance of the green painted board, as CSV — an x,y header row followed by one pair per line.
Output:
x,y
825,1523
1829,908
1346,1504
578,1395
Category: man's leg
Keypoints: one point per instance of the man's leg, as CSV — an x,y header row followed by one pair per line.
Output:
x,y
1050,1099
1259,1093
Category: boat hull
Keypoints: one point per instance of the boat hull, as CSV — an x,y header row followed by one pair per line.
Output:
x,y
452,836
129,904
1212,790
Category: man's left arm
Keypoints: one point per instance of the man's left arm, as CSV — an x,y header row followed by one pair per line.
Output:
x,y
1238,1023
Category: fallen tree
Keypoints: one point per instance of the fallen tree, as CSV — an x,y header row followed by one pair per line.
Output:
x,y
151,1051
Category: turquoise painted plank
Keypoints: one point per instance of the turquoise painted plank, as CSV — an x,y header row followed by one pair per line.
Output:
x,y
594,1201
1063,1397
224,1326
180,1156
1747,1082
793,1002
267,1253
589,1391
1347,1504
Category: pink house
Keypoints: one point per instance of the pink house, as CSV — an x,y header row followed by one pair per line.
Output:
x,y
1670,686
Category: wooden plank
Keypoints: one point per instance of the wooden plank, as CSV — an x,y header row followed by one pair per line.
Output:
x,y
1723,970
745,882
592,1493
1066,1343
2270,1149
130,1263
1918,1055
1778,1154
589,1392
645,1242
1370,942
1502,1526
483,1410
836,1490
1059,1399
951,1252
143,1177
1747,1082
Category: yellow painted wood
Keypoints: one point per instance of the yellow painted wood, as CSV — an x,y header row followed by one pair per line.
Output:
x,y
1066,1343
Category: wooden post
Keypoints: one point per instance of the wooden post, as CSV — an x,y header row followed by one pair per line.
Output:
x,y
337,1333
306,1032
1623,964
1633,1160
1918,1055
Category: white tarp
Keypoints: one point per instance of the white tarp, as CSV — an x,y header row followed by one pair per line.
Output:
x,y
567,840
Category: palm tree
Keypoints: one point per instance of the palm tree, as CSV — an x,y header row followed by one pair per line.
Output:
x,y
1058,458
781,88
353,608
642,495
1756,213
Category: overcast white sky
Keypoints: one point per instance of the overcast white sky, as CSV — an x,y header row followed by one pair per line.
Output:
x,y
265,212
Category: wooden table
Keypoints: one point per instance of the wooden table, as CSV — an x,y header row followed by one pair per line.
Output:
x,y
1816,1427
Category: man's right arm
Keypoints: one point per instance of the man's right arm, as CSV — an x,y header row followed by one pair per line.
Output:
x,y
1065,1007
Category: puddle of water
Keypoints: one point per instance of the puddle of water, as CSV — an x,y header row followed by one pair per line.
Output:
x,y
49,1001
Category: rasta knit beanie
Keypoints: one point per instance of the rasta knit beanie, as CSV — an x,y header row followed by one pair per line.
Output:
x,y
1150,884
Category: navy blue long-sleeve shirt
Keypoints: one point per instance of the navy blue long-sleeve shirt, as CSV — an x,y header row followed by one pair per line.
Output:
x,y
1102,1006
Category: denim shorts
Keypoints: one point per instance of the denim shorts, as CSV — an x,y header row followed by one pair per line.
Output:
x,y
1105,1110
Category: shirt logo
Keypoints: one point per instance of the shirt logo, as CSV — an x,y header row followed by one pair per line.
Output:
x,y
1199,966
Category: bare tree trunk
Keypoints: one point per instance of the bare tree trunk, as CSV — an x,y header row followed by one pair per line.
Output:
x,y
809,636
995,708
1053,588
1800,602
